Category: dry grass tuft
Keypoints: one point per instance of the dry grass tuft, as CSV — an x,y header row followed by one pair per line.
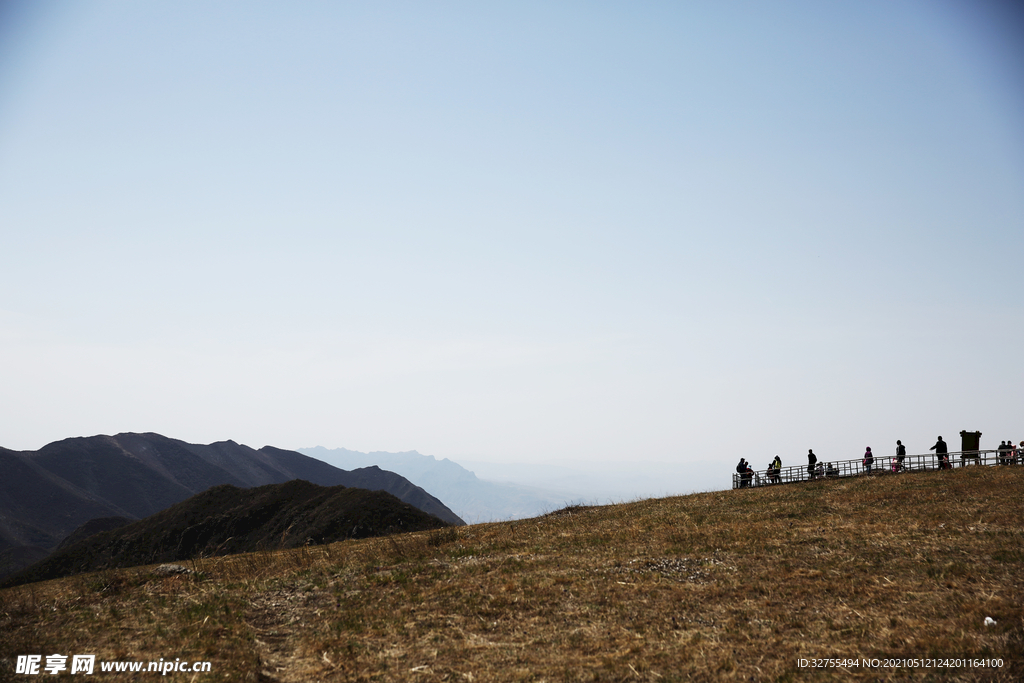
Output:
x,y
731,585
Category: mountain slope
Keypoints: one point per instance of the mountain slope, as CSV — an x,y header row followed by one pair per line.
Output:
x,y
38,507
735,585
226,520
93,527
371,477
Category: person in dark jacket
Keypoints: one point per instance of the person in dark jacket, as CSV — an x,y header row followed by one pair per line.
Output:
x,y
869,460
901,454
812,459
745,472
941,451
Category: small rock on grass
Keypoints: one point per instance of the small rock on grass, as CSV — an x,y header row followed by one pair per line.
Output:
x,y
171,570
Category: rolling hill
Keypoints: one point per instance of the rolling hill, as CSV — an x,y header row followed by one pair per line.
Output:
x,y
226,519
912,576
46,495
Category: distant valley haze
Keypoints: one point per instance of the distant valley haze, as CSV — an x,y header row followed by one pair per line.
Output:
x,y
480,491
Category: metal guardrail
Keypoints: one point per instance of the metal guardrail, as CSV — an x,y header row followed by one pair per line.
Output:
x,y
883,464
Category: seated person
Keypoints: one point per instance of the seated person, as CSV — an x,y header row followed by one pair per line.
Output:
x,y
743,469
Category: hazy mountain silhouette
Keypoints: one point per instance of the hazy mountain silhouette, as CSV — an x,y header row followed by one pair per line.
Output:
x,y
480,491
226,519
472,498
46,495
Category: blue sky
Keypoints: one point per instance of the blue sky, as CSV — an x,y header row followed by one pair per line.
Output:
x,y
518,232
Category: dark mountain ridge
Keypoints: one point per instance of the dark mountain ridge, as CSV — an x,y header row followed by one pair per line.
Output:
x,y
225,520
46,495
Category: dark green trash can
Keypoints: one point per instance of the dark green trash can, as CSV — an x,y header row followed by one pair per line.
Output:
x,y
970,441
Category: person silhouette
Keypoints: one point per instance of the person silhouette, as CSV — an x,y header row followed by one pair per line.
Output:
x,y
745,472
941,453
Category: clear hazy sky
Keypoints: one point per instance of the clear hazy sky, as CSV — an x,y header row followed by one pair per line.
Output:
x,y
517,232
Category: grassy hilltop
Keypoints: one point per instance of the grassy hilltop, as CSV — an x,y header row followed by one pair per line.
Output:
x,y
731,585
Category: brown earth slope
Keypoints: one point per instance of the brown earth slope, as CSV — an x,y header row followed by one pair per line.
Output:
x,y
731,585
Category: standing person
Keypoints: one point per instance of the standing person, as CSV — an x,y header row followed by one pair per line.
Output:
x,y
811,460
869,460
901,454
1003,453
777,468
941,451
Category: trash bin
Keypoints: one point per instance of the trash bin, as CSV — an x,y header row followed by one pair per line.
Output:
x,y
970,444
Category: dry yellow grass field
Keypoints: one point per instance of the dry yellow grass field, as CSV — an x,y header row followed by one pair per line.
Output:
x,y
731,585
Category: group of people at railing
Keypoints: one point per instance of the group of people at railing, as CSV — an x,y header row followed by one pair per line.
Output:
x,y
1010,454
1007,454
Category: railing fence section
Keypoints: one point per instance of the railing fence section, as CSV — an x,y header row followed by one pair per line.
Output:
x,y
883,464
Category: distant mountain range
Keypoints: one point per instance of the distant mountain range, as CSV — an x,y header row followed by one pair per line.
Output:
x,y
46,495
472,498
487,491
224,520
